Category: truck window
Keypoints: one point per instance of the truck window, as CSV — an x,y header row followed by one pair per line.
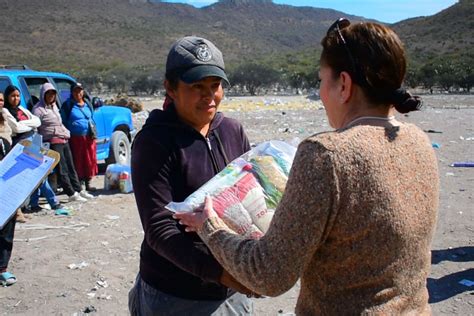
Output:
x,y
31,89
64,89
4,83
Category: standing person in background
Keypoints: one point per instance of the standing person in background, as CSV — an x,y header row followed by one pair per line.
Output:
x,y
5,131
177,151
22,123
8,230
358,214
57,135
76,114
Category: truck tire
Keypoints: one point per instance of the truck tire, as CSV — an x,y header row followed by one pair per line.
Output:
x,y
120,151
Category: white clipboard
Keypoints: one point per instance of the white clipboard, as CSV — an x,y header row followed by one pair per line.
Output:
x,y
22,170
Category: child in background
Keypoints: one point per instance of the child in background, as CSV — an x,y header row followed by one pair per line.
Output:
x,y
45,190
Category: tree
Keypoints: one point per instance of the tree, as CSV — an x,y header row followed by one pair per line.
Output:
x,y
427,75
91,81
141,84
120,78
253,76
464,74
412,77
445,73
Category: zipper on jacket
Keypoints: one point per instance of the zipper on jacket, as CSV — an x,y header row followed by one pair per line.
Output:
x,y
211,152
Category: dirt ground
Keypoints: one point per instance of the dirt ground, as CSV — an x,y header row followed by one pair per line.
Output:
x,y
86,263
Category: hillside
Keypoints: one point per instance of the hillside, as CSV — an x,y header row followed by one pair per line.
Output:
x,y
101,34
96,36
450,32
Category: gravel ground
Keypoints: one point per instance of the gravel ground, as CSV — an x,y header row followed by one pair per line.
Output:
x,y
87,262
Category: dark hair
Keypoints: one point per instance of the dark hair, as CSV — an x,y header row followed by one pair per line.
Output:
x,y
173,79
380,63
9,90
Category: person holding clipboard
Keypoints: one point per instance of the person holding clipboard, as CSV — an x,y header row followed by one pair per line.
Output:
x,y
7,232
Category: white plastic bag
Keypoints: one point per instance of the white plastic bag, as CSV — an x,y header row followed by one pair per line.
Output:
x,y
112,176
246,193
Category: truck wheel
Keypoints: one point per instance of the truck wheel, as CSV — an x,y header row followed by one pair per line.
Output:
x,y
120,150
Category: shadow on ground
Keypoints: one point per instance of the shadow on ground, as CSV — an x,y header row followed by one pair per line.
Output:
x,y
448,286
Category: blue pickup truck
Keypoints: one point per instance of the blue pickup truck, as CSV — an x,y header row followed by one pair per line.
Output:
x,y
114,124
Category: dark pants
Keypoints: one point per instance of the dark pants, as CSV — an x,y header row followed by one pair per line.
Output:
x,y
144,300
7,232
6,243
66,172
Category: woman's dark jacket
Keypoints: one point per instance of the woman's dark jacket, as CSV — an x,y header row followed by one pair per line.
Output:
x,y
170,160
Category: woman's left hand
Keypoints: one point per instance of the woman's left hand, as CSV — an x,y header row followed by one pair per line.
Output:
x,y
194,220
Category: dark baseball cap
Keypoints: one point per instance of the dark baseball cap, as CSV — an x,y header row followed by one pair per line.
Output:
x,y
77,85
193,58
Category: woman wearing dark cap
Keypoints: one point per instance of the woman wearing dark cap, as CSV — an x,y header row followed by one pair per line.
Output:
x,y
359,210
178,150
76,114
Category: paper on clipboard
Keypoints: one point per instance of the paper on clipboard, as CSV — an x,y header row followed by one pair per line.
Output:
x,y
21,171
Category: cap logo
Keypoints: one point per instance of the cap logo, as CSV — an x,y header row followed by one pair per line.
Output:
x,y
203,53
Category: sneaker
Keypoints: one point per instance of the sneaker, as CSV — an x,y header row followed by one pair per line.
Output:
x,y
86,195
76,198
57,206
7,278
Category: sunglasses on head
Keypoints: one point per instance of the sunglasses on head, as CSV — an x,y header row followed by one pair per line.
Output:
x,y
337,26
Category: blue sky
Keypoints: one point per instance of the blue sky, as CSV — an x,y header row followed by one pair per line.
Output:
x,y
388,11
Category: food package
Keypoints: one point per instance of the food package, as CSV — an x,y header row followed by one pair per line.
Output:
x,y
125,182
247,191
112,176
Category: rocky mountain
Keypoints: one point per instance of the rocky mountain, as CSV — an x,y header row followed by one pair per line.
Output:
x,y
450,32
95,34
102,34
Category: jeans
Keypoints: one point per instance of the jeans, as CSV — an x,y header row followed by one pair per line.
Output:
x,y
144,300
45,190
66,172
6,243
